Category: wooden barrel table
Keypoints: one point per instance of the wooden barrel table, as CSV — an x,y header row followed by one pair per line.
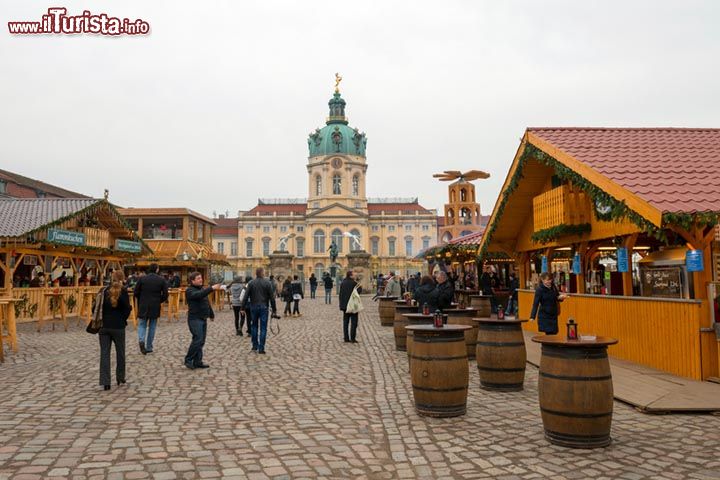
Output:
x,y
463,296
501,354
412,320
439,370
400,322
464,316
482,303
576,391
386,307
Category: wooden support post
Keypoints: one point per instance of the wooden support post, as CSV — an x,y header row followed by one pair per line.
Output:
x,y
629,244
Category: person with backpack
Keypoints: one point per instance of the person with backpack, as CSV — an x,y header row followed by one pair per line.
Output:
x,y
286,296
116,309
237,298
328,283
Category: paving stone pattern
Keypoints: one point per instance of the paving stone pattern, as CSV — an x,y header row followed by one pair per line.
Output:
x,y
313,407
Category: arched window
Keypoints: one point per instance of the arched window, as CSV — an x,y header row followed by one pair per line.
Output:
x,y
375,246
353,245
447,236
318,185
409,246
391,246
337,184
266,246
337,237
319,241
248,247
450,216
319,271
300,247
463,195
452,196
356,185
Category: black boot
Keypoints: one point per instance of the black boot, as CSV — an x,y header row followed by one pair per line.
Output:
x,y
142,348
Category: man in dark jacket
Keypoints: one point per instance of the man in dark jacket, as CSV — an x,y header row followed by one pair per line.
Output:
x,y
346,288
259,294
512,300
328,283
151,291
444,291
199,310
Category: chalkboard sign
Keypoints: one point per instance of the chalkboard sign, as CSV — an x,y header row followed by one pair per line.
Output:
x,y
662,282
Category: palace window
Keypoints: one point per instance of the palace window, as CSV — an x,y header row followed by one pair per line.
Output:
x,y
425,243
249,229
266,229
300,247
283,228
221,247
408,228
300,228
425,228
391,247
233,249
337,237
375,246
337,184
409,246
318,185
356,185
375,228
266,246
249,247
319,241
391,228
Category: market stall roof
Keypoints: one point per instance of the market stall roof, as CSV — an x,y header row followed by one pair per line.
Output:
x,y
468,244
163,212
652,173
474,238
183,251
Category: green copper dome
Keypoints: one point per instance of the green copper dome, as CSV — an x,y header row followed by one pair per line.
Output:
x,y
336,136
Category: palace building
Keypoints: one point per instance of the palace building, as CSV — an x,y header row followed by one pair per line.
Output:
x,y
337,210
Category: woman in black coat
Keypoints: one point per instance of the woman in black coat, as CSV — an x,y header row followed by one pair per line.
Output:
x,y
545,305
286,296
115,312
426,293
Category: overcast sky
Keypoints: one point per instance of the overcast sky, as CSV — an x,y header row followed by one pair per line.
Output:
x,y
212,109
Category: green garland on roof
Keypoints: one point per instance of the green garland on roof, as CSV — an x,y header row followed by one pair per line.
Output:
x,y
618,209
548,235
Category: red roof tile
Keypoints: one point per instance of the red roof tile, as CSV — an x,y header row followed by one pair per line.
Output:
x,y
673,169
395,207
474,238
281,209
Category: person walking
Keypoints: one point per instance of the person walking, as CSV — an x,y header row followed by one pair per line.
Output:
x,y
546,305
313,285
237,297
151,291
297,294
286,296
116,309
347,286
259,295
199,310
328,283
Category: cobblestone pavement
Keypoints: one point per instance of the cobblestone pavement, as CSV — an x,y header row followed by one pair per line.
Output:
x,y
314,407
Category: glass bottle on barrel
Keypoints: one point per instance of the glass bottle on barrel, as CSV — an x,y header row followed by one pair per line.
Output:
x,y
438,319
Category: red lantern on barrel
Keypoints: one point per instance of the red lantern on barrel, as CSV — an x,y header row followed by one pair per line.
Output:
x,y
438,319
572,333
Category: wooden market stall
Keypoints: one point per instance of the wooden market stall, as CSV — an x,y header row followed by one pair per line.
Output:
x,y
74,243
625,221
181,241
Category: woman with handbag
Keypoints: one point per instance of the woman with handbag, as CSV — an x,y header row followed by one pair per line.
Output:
x,y
115,312
350,307
546,305
286,296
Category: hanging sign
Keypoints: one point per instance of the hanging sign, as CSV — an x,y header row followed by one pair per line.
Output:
x,y
576,265
544,267
622,260
694,260
127,246
65,237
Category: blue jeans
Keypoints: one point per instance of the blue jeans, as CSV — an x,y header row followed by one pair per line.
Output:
x,y
146,327
312,291
198,329
328,295
259,318
511,307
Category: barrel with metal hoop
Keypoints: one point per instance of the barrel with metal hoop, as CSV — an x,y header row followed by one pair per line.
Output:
x,y
386,308
576,391
464,316
501,354
482,303
439,370
400,322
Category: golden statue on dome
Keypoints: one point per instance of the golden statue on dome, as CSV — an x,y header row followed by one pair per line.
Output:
x,y
338,79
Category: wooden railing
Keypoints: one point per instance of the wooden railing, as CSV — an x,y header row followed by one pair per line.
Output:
x,y
660,333
94,237
560,206
29,304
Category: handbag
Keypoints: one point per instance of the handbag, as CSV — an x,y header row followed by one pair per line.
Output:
x,y
354,304
96,322
297,296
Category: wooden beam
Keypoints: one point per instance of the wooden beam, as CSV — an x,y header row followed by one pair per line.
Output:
x,y
634,202
629,244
